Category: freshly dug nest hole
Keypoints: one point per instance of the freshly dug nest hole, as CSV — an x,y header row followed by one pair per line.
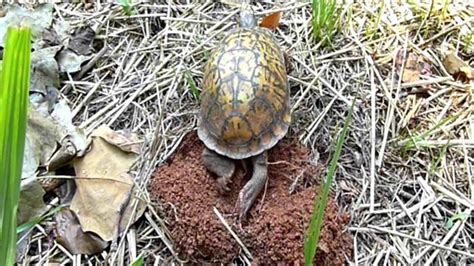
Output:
x,y
275,227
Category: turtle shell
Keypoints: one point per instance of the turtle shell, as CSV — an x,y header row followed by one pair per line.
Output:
x,y
245,106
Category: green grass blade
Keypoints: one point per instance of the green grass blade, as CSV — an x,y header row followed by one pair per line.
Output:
x,y
413,140
126,6
317,217
192,84
36,220
14,89
139,261
325,19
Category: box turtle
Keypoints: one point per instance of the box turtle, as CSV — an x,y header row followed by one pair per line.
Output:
x,y
245,106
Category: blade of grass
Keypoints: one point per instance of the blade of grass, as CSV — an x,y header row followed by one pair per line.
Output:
x,y
139,261
325,19
314,230
36,220
14,89
435,164
192,84
126,6
413,140
375,22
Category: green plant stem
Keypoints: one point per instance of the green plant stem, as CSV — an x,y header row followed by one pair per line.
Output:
x,y
320,203
325,19
14,89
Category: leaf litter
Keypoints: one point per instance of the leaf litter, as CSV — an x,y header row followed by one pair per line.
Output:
x,y
54,145
400,199
458,68
415,67
102,179
77,51
69,233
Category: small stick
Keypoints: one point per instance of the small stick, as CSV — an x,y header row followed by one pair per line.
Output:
x,y
234,235
372,141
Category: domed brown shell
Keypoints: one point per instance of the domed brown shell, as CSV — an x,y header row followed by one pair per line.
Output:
x,y
245,106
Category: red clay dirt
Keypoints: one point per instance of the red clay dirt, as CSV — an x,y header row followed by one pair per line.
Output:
x,y
274,229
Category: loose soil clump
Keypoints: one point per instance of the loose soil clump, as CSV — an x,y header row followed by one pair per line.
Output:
x,y
274,229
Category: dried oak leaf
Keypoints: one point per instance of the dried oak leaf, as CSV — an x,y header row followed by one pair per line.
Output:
x,y
103,186
457,67
70,235
81,41
31,202
126,141
414,67
271,21
78,51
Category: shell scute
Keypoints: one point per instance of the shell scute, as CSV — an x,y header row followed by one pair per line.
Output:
x,y
245,100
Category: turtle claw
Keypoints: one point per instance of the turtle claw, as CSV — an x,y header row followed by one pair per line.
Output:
x,y
223,184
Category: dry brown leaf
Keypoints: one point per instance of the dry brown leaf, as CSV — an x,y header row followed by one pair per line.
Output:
x,y
271,21
128,142
31,202
103,185
457,67
42,137
411,72
414,67
70,235
81,41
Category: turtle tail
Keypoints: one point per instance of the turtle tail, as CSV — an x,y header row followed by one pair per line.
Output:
x,y
247,18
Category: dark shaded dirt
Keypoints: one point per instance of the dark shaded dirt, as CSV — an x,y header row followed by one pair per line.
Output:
x,y
274,230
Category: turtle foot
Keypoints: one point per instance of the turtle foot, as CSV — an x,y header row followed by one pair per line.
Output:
x,y
223,167
254,186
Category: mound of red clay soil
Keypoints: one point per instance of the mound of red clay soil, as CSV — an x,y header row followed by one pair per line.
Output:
x,y
275,227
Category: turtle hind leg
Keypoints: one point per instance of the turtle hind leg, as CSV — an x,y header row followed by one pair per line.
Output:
x,y
254,186
222,166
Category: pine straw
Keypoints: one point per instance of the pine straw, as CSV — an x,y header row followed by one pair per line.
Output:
x,y
399,201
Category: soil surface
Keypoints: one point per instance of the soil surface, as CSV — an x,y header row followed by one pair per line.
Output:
x,y
275,227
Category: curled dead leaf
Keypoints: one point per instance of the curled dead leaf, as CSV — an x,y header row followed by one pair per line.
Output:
x,y
457,67
271,21
414,67
31,202
81,41
70,235
65,154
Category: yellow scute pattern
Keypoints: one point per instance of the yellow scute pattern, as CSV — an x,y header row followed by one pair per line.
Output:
x,y
245,100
